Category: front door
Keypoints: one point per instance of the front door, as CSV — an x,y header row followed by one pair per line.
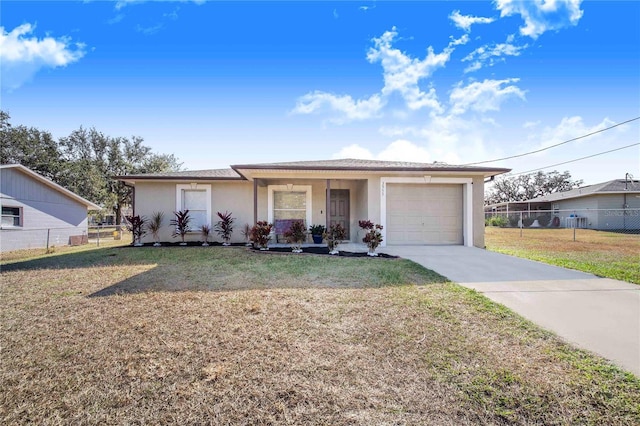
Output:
x,y
339,208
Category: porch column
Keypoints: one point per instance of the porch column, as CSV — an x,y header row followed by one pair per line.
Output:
x,y
255,201
328,206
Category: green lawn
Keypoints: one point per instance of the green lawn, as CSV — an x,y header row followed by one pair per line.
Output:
x,y
606,254
217,335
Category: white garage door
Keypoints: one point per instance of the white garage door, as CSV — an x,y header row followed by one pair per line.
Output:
x,y
424,214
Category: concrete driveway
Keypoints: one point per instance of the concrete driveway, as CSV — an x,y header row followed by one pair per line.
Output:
x,y
597,314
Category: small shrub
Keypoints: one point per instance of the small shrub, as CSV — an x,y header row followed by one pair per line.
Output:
x,y
296,235
260,234
372,237
513,220
500,221
181,224
544,220
155,224
135,225
205,231
224,227
317,229
334,236
246,233
527,221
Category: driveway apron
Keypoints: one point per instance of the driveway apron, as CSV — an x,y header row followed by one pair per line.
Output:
x,y
597,314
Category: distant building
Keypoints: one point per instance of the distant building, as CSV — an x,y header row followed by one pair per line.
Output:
x,y
34,208
612,205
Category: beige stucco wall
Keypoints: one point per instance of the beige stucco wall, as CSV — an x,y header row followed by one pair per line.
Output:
x,y
237,197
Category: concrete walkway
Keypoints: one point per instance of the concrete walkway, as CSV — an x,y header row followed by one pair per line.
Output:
x,y
597,314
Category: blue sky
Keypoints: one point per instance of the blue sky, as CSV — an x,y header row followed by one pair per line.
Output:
x,y
220,83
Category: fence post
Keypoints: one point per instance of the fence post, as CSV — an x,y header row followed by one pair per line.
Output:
x,y
98,236
521,223
575,221
48,231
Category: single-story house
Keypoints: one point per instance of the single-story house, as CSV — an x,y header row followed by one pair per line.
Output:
x,y
416,203
35,209
613,205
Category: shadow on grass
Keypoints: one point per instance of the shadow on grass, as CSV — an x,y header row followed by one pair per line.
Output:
x,y
176,269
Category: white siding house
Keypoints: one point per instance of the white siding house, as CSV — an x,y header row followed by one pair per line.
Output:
x,y
34,207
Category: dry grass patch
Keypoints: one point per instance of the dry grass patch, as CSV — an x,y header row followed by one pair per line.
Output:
x,y
225,336
606,254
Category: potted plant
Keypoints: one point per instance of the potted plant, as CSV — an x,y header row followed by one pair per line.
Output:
x,y
135,225
372,237
181,224
261,234
317,232
154,226
246,232
205,230
224,227
334,236
295,235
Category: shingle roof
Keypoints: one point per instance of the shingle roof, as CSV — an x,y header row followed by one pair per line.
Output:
x,y
357,164
616,185
343,164
213,174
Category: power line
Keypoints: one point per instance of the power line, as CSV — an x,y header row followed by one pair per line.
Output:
x,y
573,161
553,146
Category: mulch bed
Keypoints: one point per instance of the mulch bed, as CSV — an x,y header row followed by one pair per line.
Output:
x,y
324,250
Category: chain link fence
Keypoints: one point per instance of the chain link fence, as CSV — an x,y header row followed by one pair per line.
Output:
x,y
625,221
47,238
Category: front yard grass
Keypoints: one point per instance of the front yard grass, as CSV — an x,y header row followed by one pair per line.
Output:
x,y
606,254
227,336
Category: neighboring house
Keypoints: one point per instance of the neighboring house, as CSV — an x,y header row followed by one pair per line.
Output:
x,y
33,207
613,205
416,203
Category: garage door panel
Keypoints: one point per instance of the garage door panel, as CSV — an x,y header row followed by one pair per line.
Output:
x,y
424,214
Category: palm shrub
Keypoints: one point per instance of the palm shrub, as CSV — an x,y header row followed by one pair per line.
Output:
x,y
180,222
155,224
372,237
295,235
246,233
261,234
224,227
334,236
205,231
135,225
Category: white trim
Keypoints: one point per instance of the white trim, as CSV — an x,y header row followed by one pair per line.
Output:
x,y
467,201
291,188
192,187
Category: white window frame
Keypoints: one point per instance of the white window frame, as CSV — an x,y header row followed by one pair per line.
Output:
x,y
20,216
193,187
290,188
467,201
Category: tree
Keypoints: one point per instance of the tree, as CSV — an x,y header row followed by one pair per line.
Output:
x,y
30,147
95,159
528,186
84,162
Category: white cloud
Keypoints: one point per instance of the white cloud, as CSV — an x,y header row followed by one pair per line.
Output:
x,y
464,22
349,108
483,96
542,15
402,73
569,128
459,41
354,151
399,150
21,57
489,54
